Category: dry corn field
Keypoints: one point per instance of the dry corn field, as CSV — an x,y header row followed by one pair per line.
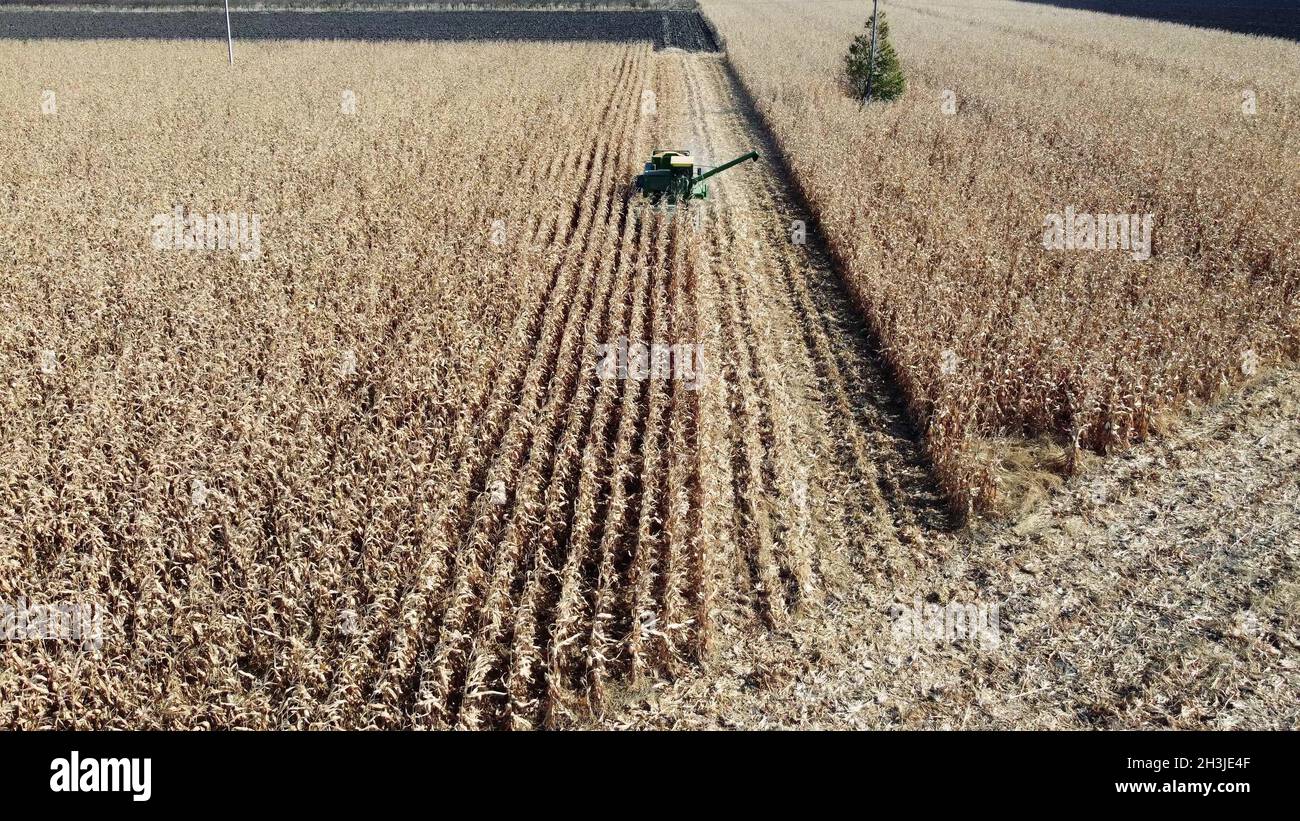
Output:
x,y
367,474
365,478
1010,355
357,388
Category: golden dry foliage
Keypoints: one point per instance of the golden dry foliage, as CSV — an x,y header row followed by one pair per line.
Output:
x,y
368,478
935,206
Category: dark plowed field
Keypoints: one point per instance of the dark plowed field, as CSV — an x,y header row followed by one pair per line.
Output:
x,y
678,29
1274,18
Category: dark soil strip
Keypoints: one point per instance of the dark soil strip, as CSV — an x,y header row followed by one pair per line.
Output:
x,y
1275,18
671,28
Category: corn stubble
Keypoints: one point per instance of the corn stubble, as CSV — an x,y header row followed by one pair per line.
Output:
x,y
936,218
370,478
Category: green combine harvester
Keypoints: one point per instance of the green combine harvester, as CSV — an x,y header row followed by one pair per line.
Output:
x,y
672,176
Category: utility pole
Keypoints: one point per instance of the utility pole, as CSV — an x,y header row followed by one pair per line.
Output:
x,y
875,27
230,41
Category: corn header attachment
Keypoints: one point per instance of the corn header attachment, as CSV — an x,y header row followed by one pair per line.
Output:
x,y
673,176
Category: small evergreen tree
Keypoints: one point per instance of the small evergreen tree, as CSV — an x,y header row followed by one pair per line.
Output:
x,y
888,81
